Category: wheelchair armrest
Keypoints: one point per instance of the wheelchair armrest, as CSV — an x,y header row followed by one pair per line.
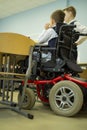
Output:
x,y
83,34
38,46
43,48
41,45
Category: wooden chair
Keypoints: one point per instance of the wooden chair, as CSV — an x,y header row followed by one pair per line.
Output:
x,y
12,45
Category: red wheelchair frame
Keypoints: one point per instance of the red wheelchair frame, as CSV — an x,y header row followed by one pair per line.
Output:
x,y
53,82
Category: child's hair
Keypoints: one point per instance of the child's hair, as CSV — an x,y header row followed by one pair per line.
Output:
x,y
71,9
58,16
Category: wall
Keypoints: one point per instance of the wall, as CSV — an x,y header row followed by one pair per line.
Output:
x,y
31,22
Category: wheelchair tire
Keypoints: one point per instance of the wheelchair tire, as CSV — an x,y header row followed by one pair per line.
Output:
x,y
29,99
66,98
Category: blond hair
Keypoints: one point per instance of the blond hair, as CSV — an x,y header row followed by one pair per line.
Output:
x,y
71,9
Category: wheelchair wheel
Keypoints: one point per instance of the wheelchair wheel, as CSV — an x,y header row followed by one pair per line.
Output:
x,y
66,98
29,99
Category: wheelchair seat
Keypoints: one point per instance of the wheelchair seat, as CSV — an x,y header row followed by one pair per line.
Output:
x,y
74,67
57,66
54,66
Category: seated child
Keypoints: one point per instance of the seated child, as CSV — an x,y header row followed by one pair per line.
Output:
x,y
49,34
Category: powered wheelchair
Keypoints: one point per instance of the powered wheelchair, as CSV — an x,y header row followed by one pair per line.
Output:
x,y
56,80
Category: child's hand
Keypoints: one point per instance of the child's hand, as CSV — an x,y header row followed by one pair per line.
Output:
x,y
47,26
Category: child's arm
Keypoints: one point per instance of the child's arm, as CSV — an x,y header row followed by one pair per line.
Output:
x,y
81,40
82,29
45,35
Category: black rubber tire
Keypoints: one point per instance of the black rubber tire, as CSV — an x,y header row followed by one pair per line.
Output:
x,y
29,99
66,98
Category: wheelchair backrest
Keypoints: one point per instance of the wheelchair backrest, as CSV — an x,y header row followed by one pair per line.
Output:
x,y
66,39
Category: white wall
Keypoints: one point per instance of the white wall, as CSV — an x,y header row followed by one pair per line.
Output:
x,y
31,22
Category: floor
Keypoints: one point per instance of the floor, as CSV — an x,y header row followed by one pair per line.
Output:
x,y
44,119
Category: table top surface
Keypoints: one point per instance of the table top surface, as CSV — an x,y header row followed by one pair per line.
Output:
x,y
14,43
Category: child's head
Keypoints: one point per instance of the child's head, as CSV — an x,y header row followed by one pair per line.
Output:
x,y
70,13
56,17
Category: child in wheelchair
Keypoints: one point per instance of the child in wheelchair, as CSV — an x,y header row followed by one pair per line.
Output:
x,y
62,59
50,33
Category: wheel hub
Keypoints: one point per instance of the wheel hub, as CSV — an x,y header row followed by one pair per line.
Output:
x,y
64,98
